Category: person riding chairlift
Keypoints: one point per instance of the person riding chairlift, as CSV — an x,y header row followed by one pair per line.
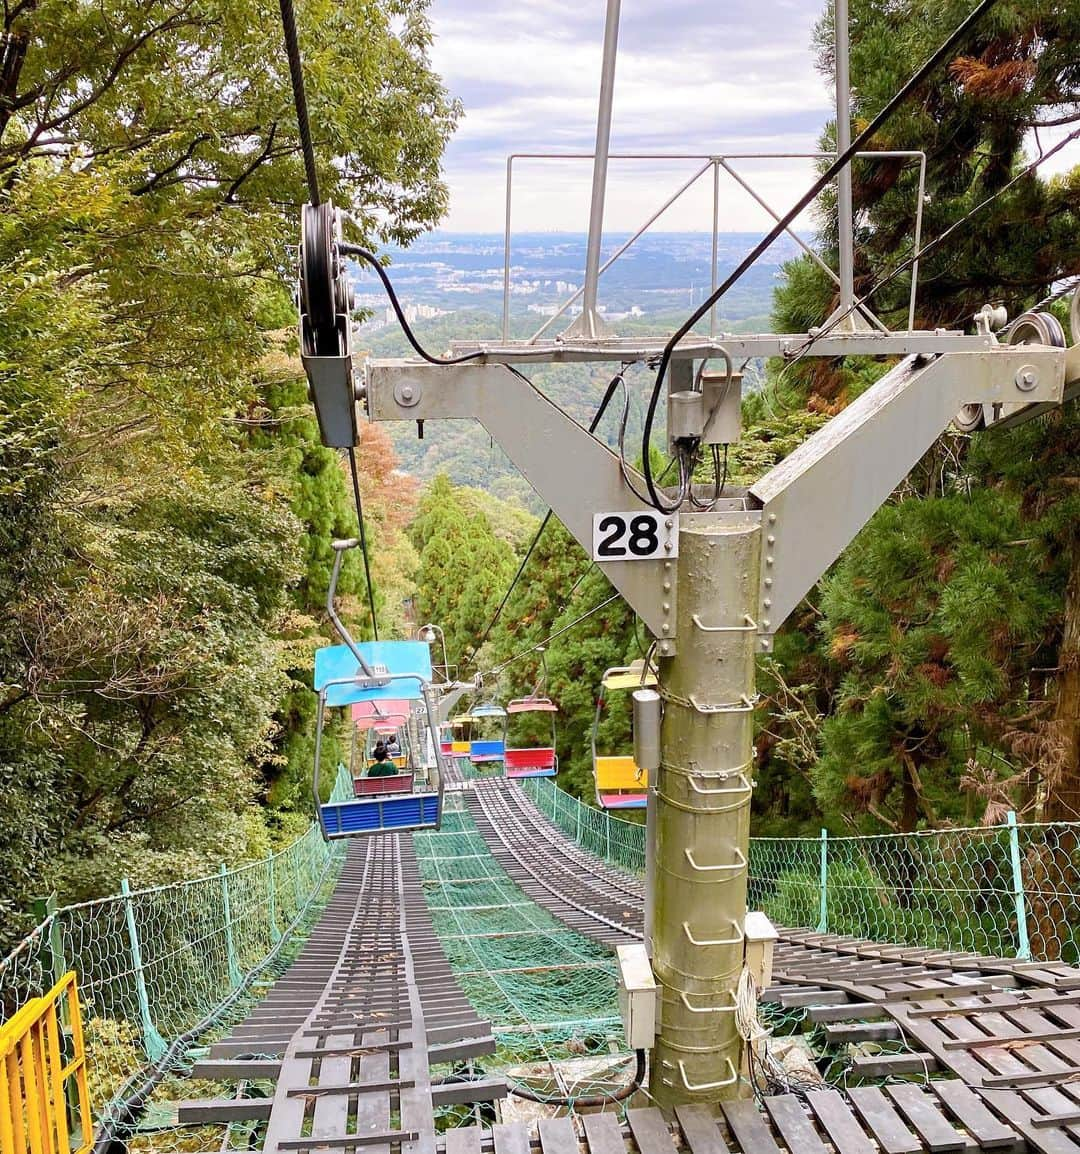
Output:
x,y
383,766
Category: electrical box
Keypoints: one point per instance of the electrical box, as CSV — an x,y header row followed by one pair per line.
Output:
x,y
722,398
637,996
760,935
646,729
685,417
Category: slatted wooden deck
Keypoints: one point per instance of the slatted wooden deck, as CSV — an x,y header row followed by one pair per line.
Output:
x,y
903,1119
350,1032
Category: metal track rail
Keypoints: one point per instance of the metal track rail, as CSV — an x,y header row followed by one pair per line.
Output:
x,y
598,900
350,1032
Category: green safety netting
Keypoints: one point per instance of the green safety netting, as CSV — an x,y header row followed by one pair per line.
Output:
x,y
550,993
1011,890
152,963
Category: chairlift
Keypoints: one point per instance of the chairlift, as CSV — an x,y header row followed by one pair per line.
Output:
x,y
379,677
530,761
460,745
619,783
485,749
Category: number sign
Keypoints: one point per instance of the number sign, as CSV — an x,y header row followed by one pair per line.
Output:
x,y
642,535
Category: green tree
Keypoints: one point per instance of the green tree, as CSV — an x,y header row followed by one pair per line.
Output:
x,y
152,179
464,568
933,621
869,720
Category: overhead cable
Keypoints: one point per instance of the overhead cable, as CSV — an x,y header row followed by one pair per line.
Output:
x,y
371,259
363,541
558,633
857,145
296,75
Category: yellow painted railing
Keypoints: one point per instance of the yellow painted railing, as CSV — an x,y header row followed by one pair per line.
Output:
x,y
44,1096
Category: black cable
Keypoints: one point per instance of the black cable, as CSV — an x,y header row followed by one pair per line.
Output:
x,y
363,540
558,633
613,384
296,74
521,1091
371,259
933,245
857,145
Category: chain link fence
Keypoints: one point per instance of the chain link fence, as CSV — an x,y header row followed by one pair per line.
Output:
x,y
611,838
152,963
1007,891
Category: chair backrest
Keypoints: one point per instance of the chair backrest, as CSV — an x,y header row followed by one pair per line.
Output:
x,y
542,758
391,783
486,748
464,747
619,773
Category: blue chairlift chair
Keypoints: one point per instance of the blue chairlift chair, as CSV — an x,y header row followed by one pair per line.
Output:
x,y
375,671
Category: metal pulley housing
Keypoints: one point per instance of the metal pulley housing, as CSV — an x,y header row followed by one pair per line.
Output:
x,y
1032,328
325,325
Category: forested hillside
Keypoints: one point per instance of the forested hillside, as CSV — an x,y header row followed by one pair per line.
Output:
x,y
166,507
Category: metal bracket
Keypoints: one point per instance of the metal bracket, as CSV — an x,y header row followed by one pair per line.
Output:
x,y
746,787
738,864
750,626
745,706
711,942
696,1087
816,500
576,474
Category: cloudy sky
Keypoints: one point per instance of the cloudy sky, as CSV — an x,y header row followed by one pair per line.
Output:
x,y
693,76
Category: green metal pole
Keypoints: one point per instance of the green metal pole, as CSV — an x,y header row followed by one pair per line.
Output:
x,y
1023,950
153,1042
235,977
823,885
52,955
702,800
275,931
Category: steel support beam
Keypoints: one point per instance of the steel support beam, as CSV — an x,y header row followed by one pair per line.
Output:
x,y
589,323
739,345
821,495
451,697
576,474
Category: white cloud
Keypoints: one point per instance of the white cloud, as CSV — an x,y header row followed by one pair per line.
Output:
x,y
691,77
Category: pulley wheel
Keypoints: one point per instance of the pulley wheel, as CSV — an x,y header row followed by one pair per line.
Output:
x,y
970,419
317,276
1036,329
1027,329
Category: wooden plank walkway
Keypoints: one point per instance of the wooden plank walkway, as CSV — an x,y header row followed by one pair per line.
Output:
x,y
350,1031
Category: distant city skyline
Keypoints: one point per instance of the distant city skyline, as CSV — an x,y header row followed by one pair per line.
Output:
x,y
692,77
